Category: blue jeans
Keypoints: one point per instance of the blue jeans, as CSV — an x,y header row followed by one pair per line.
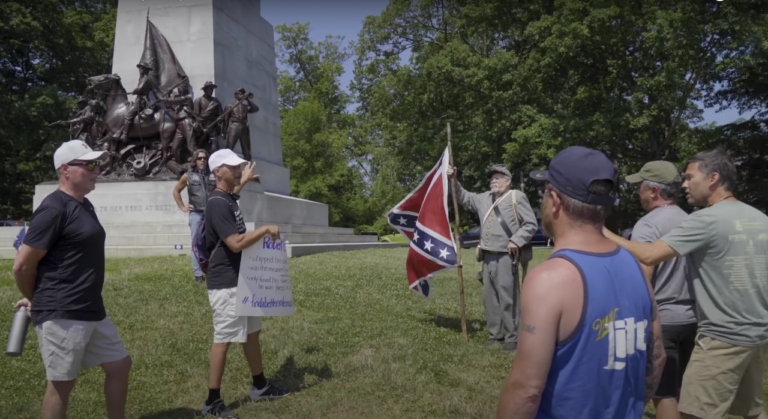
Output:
x,y
194,220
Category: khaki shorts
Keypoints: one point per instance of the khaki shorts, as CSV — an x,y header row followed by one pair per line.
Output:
x,y
66,345
722,378
227,327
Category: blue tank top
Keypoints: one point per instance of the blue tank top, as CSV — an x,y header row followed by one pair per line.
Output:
x,y
599,371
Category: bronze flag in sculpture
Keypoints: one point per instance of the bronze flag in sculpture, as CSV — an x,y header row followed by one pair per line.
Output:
x,y
166,72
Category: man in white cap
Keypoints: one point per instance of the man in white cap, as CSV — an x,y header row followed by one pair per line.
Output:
x,y
226,238
60,272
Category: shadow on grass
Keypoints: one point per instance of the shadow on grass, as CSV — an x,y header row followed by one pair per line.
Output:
x,y
175,413
474,326
291,377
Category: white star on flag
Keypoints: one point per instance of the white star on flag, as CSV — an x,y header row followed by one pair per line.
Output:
x,y
415,235
444,253
428,245
402,221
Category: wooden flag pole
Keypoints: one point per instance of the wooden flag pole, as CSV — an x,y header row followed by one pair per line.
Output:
x,y
457,241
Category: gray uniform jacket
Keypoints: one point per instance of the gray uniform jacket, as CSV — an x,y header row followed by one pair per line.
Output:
x,y
492,236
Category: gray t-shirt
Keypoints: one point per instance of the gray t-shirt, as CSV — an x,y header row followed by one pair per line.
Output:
x,y
728,245
672,280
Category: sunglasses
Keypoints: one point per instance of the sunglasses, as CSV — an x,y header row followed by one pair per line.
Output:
x,y
202,158
89,166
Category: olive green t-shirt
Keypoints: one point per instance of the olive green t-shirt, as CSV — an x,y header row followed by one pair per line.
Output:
x,y
727,244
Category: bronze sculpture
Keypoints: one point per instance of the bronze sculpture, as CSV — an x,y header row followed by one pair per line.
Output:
x,y
209,111
236,122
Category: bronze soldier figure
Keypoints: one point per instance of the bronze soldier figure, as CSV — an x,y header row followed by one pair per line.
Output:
x,y
236,122
142,90
181,103
208,109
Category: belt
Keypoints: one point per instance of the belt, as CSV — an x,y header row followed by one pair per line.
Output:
x,y
493,252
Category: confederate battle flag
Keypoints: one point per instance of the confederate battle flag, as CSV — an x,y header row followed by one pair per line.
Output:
x,y
422,217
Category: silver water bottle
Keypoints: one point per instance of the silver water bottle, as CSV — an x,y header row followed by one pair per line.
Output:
x,y
18,333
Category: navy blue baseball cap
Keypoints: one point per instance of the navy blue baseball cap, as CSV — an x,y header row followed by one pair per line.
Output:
x,y
574,168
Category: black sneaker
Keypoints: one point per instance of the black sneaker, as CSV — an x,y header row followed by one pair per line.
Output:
x,y
268,392
218,409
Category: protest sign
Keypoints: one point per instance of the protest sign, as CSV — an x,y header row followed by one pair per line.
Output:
x,y
264,285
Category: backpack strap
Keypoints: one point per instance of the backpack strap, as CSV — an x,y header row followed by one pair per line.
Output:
x,y
220,239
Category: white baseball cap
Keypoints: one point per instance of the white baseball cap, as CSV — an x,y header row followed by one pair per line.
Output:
x,y
76,150
222,157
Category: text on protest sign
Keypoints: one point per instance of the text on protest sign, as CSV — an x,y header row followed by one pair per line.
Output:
x,y
264,285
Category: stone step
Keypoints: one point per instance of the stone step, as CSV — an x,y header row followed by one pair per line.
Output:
x,y
293,250
183,228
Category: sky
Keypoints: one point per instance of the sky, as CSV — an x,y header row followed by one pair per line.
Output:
x,y
345,18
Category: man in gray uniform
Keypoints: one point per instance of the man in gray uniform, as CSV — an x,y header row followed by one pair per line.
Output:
x,y
672,281
500,209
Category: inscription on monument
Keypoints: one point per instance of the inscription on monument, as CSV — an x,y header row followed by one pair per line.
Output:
x,y
135,208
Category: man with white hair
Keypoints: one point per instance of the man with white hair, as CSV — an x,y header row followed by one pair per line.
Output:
x,y
508,224
60,272
226,238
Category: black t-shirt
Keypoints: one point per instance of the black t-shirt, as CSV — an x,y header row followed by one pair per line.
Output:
x,y
222,219
71,274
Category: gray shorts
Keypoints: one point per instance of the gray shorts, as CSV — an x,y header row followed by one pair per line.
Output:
x,y
66,345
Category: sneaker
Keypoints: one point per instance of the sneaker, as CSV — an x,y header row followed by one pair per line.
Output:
x,y
218,409
268,392
509,347
198,280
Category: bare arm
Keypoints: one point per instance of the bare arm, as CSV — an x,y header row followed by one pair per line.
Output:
x,y
25,269
540,319
180,185
656,356
650,254
238,242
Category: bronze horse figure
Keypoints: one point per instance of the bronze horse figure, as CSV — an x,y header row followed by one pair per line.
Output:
x,y
140,152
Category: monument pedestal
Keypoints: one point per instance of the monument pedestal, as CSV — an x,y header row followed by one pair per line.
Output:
x,y
141,219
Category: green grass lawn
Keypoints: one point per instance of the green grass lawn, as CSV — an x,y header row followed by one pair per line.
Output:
x,y
361,344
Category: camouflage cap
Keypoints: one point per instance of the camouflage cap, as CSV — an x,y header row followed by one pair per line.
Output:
x,y
499,168
655,171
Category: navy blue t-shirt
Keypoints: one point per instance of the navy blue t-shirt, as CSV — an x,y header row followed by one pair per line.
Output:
x,y
70,276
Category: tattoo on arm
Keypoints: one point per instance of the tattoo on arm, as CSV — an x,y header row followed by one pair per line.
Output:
x,y
654,363
530,329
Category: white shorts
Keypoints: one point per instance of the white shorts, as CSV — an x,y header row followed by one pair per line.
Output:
x,y
66,345
227,327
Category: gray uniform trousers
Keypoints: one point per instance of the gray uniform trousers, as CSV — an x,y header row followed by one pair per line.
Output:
x,y
501,296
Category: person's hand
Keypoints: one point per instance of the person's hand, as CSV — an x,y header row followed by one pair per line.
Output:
x,y
513,249
248,173
188,208
451,172
24,303
273,231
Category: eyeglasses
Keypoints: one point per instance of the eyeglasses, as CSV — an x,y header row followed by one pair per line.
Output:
x,y
89,166
202,158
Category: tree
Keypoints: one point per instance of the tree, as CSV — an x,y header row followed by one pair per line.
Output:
x,y
325,161
48,49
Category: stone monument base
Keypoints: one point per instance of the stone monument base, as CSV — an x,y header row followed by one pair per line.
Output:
x,y
141,219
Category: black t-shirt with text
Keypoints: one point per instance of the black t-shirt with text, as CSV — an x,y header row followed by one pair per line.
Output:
x,y
222,219
70,276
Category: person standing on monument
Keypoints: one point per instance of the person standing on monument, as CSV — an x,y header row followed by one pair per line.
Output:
x,y
208,109
236,122
60,272
226,238
199,183
508,223
142,91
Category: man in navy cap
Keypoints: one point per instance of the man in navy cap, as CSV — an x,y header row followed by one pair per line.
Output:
x,y
589,320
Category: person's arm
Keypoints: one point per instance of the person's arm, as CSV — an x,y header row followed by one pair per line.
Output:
x,y
528,223
650,254
42,234
223,221
467,199
541,311
246,177
252,107
656,356
180,185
